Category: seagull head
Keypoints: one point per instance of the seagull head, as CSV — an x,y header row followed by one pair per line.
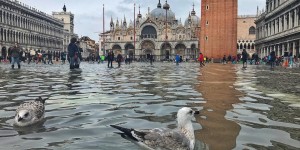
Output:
x,y
185,116
23,116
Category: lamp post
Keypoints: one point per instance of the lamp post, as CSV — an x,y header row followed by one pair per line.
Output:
x,y
166,7
103,36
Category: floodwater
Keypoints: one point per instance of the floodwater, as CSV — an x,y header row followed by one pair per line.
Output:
x,y
84,102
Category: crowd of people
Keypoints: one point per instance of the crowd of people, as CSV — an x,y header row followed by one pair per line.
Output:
x,y
74,57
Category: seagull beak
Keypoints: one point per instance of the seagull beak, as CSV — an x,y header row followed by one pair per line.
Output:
x,y
19,119
197,112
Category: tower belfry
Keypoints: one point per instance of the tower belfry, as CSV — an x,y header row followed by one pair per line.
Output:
x,y
218,34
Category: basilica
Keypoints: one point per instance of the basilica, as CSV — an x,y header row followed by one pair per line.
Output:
x,y
158,33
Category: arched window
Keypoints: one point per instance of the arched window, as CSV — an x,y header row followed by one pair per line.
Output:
x,y
241,46
149,32
252,30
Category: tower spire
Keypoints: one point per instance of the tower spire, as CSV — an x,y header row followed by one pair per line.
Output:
x,y
139,15
193,13
159,4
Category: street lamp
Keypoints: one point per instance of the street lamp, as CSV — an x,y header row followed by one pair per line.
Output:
x,y
166,7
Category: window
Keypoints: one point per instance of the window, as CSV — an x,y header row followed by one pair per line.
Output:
x,y
207,7
206,22
119,38
252,30
206,38
131,38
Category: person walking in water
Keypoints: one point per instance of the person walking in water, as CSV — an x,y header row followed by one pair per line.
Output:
x,y
15,56
177,59
119,59
151,59
72,50
110,59
201,60
244,58
272,59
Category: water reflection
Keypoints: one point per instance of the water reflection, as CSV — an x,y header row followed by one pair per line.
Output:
x,y
217,89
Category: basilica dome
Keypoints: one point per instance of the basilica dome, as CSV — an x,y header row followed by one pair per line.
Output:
x,y
160,13
193,19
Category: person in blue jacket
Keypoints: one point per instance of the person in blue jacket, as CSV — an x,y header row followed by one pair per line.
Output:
x,y
177,59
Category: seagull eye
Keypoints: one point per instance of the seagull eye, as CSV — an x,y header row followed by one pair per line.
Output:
x,y
26,114
191,112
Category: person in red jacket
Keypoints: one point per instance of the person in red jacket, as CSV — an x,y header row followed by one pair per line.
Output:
x,y
201,60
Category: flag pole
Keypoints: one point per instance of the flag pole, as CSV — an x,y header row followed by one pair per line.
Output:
x,y
134,30
103,34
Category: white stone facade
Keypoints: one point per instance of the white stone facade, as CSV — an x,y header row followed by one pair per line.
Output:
x,y
278,28
32,29
153,36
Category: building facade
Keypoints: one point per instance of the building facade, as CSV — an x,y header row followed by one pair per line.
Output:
x,y
68,19
88,46
278,28
218,28
246,34
31,28
158,33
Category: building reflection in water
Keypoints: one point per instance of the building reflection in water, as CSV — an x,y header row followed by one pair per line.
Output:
x,y
218,92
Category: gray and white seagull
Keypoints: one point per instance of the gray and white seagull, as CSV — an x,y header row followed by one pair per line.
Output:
x,y
30,112
182,138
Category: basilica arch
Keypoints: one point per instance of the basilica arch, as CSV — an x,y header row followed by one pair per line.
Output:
x,y
129,49
166,50
180,49
116,48
148,31
193,51
4,52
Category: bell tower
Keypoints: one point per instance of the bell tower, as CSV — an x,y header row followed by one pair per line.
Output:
x,y
218,36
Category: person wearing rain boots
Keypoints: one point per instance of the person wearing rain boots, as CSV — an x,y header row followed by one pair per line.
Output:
x,y
15,56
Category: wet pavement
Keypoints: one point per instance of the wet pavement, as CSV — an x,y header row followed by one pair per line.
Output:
x,y
84,102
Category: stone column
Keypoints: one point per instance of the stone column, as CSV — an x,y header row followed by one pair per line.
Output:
x,y
289,47
294,48
280,24
284,22
296,17
278,50
290,20
283,49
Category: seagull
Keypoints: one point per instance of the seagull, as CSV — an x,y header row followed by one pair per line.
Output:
x,y
182,138
30,112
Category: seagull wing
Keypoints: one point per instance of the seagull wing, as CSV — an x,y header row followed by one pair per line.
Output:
x,y
157,138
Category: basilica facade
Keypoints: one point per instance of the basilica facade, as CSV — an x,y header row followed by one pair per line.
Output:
x,y
158,33
32,29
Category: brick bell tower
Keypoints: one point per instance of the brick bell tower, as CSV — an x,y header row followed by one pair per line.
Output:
x,y
218,35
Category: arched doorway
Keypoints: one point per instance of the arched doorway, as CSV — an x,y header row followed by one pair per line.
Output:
x,y
166,51
129,50
3,52
148,48
117,49
193,52
180,49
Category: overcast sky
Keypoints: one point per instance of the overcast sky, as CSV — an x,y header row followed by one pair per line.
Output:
x,y
88,13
